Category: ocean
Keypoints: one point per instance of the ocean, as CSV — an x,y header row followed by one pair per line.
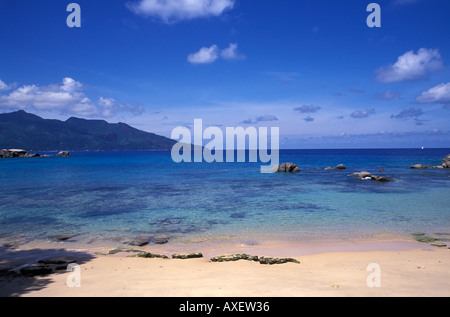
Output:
x,y
108,197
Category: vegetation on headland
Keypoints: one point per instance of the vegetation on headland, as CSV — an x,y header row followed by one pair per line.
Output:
x,y
24,130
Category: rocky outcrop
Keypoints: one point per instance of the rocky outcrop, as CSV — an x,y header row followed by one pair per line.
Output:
x,y
13,153
446,162
441,239
420,166
271,261
46,266
63,154
366,175
337,167
187,256
149,255
234,257
261,260
287,168
19,153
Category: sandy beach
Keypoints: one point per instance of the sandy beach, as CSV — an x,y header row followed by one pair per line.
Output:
x,y
347,269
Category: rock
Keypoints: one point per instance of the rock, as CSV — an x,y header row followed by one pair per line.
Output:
x,y
446,162
420,166
362,175
380,179
288,168
187,256
421,237
57,260
380,170
337,167
57,263
36,269
119,250
271,261
140,241
234,257
368,176
149,255
159,240
63,154
47,266
439,244
144,240
63,237
13,153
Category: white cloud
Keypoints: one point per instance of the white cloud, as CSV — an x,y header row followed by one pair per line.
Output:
x,y
437,94
67,98
411,66
231,52
205,55
177,10
208,55
3,86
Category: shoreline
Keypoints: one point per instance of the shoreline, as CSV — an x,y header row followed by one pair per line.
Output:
x,y
408,268
212,244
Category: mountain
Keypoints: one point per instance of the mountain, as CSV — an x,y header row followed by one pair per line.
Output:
x,y
24,130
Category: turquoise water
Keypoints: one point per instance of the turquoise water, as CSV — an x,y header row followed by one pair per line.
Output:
x,y
111,195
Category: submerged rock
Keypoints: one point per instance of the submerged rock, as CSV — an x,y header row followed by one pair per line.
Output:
x,y
144,240
436,242
63,237
139,241
421,237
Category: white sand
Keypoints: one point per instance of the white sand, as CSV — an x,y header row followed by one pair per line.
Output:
x,y
406,269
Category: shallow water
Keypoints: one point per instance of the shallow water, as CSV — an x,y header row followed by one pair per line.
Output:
x,y
116,195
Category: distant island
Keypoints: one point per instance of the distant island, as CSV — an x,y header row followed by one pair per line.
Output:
x,y
23,130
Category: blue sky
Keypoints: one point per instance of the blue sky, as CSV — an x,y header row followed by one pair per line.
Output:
x,y
312,68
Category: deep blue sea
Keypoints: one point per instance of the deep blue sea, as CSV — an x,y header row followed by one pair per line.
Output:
x,y
108,196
